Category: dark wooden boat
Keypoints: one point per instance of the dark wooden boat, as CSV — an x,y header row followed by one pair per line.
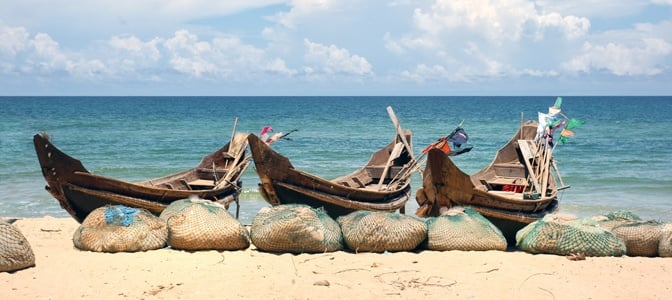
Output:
x,y
518,187
216,178
383,184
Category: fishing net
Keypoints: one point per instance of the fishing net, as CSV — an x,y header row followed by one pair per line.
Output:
x,y
367,231
665,244
15,251
295,228
565,235
641,237
119,228
615,218
195,224
462,228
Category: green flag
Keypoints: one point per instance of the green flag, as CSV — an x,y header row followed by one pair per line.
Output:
x,y
566,132
573,123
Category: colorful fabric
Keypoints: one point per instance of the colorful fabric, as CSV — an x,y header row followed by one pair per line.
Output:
x,y
459,137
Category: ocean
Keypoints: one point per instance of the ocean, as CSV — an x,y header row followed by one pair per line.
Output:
x,y
620,159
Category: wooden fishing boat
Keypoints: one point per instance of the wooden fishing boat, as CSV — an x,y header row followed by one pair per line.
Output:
x,y
518,187
216,178
383,184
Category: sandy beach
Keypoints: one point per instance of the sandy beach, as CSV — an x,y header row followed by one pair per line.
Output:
x,y
64,272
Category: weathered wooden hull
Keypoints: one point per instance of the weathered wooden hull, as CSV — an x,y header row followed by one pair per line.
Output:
x,y
445,185
79,192
281,183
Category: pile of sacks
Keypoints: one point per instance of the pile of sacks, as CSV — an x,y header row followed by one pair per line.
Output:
x,y
196,224
190,224
293,228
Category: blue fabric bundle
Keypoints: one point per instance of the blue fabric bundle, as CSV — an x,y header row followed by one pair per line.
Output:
x,y
119,215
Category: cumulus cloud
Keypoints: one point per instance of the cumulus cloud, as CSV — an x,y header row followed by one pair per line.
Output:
x,y
222,57
133,46
644,50
334,60
622,60
12,40
496,21
571,26
301,9
295,41
466,41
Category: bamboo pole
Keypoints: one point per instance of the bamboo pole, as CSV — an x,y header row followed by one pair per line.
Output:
x,y
546,170
235,124
557,173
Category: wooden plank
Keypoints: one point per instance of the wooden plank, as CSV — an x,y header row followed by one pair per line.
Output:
x,y
401,134
525,150
395,153
201,183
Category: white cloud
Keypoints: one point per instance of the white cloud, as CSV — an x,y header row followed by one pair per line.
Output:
x,y
223,57
47,54
12,39
135,47
469,41
644,50
496,21
87,68
573,27
301,9
334,60
623,60
294,41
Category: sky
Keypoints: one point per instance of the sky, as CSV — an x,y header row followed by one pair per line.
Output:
x,y
335,48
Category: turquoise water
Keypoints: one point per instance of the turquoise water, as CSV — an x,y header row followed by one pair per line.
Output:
x,y
620,159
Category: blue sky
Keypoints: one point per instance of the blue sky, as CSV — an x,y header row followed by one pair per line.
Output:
x,y
325,47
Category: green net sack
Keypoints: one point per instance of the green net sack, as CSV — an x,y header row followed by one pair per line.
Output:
x,y
641,237
462,228
616,218
15,251
119,228
295,228
195,224
367,231
665,244
565,235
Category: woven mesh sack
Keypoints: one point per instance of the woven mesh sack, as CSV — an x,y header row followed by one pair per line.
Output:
x,y
665,244
119,228
565,235
368,231
641,237
295,228
616,218
195,224
462,228
15,251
